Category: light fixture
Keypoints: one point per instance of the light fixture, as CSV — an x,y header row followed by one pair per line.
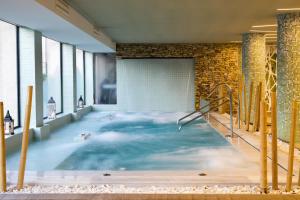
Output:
x,y
271,37
8,124
236,41
80,102
288,9
264,26
51,106
262,31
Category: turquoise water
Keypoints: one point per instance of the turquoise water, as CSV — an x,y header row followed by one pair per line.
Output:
x,y
130,141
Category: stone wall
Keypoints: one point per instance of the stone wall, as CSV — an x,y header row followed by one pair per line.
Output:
x,y
214,63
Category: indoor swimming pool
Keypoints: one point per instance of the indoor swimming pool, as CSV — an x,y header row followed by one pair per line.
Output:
x,y
123,141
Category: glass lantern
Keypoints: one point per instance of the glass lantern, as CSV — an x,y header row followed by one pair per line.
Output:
x,y
51,106
80,102
8,124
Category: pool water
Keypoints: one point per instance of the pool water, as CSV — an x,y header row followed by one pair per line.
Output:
x,y
131,141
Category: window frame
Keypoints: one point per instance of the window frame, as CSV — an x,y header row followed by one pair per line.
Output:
x,y
83,63
61,75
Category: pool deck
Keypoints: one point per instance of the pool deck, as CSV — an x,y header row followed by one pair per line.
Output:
x,y
147,197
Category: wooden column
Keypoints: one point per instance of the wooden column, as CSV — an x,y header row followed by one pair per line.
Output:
x,y
289,177
249,106
274,141
263,148
2,151
25,139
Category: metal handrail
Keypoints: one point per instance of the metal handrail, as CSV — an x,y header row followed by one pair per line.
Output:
x,y
199,110
201,115
230,99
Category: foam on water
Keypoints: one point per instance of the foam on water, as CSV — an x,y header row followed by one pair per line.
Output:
x,y
131,141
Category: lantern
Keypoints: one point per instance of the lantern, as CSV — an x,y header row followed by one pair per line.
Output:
x,y
80,102
8,124
51,106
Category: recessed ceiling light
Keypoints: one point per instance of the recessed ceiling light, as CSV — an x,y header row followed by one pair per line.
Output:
x,y
263,26
288,9
271,37
263,31
236,41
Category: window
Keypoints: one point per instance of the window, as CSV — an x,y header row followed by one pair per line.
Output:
x,y
80,73
9,70
52,78
105,79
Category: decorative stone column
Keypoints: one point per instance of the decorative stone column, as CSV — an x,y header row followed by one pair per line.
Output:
x,y
288,71
253,63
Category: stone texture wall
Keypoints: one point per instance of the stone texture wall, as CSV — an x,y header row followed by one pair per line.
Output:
x,y
254,64
288,71
214,63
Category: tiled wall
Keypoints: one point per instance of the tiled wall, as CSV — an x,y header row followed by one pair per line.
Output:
x,y
214,63
142,85
254,64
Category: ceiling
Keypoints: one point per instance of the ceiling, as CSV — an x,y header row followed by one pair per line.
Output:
x,y
179,21
31,14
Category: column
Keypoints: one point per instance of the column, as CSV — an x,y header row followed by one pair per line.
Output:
x,y
69,78
89,78
288,71
253,63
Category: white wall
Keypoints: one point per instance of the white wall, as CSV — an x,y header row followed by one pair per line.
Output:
x,y
155,84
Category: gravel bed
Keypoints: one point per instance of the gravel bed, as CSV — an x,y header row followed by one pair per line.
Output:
x,y
215,189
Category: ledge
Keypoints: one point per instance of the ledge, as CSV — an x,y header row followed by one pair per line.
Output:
x,y
14,142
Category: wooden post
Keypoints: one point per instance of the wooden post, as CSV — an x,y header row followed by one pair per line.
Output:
x,y
263,148
257,107
249,106
245,103
2,151
25,139
241,100
274,141
289,177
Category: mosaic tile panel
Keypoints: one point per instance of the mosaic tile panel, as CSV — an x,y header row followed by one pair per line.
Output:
x,y
288,71
254,61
